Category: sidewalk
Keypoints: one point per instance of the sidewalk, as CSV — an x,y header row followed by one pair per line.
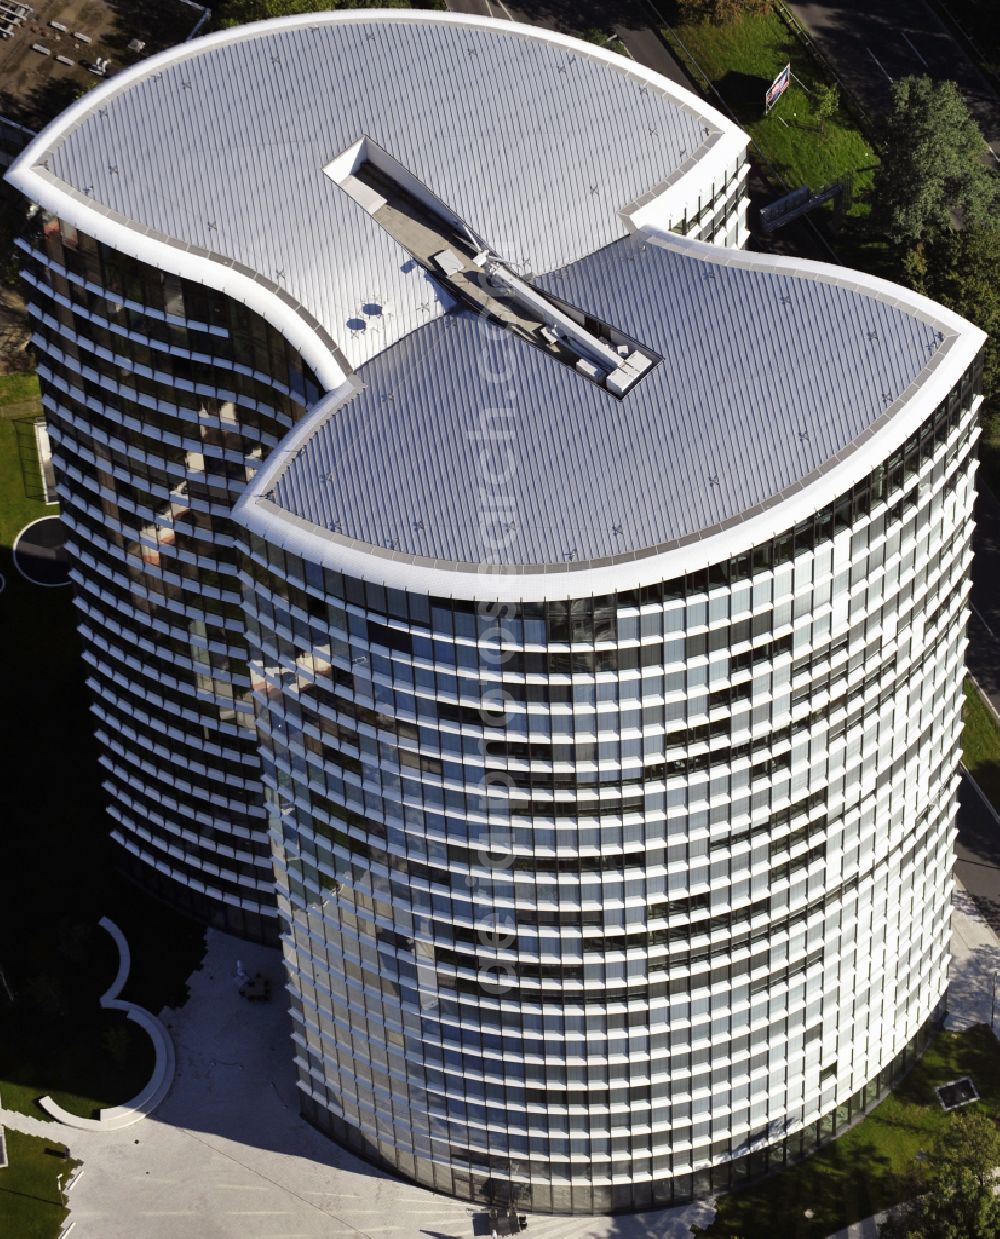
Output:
x,y
974,964
228,1153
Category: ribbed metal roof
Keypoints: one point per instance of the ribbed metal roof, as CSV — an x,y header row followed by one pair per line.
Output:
x,y
468,444
537,145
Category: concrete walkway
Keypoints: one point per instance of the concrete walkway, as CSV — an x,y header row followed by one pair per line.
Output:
x,y
974,964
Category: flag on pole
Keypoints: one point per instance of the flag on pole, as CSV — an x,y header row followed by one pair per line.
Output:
x,y
778,87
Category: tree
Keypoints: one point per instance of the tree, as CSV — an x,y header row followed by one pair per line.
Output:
x,y
970,287
933,173
827,102
953,1188
117,1043
964,277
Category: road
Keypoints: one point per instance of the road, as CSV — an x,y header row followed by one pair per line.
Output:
x,y
984,621
977,852
630,25
873,42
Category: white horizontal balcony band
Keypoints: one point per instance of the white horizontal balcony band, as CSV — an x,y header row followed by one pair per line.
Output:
x,y
187,661
196,803
104,601
159,726
888,858
122,798
97,642
156,768
162,347
192,855
250,905
766,840
98,570
189,838
66,469
131,421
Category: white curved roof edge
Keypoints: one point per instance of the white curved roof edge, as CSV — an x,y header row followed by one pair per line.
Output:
x,y
488,583
131,238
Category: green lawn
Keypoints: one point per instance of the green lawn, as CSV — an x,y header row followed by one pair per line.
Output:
x,y
981,743
741,59
20,481
861,1172
31,1202
17,388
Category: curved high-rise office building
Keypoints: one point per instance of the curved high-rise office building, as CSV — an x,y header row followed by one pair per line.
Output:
x,y
602,609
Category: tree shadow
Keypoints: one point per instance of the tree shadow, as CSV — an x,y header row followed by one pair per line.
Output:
x,y
970,991
157,23
809,1199
744,92
63,868
43,102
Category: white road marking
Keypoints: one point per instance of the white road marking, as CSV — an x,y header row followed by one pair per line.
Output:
x,y
879,63
982,796
979,616
330,1191
914,50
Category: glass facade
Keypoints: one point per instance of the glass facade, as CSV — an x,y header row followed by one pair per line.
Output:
x,y
606,903
162,399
